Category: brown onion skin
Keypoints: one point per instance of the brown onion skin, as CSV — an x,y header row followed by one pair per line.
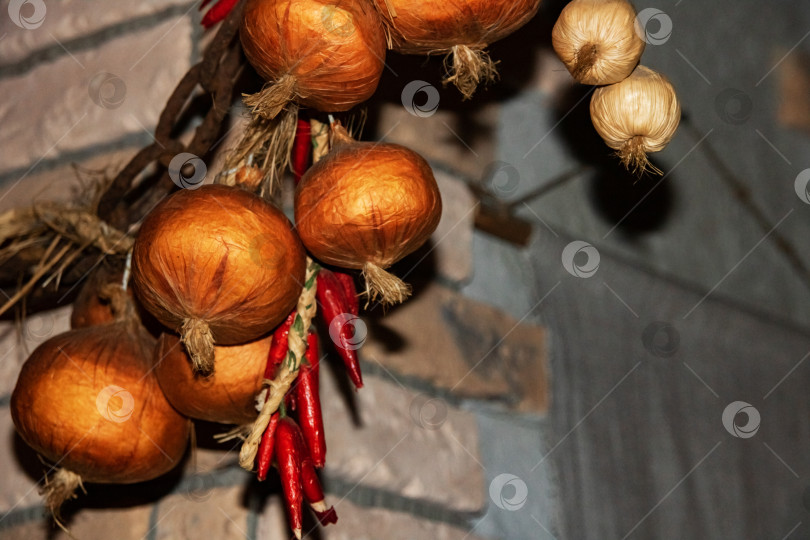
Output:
x,y
222,255
228,395
367,202
335,67
54,406
89,308
425,26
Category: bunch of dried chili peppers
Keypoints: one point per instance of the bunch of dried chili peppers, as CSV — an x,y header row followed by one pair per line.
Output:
x,y
299,448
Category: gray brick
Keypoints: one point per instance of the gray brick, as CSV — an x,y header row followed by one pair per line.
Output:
x,y
404,442
484,353
19,487
15,346
219,514
67,20
92,97
361,523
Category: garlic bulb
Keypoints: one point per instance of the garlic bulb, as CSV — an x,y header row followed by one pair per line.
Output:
x,y
599,41
636,116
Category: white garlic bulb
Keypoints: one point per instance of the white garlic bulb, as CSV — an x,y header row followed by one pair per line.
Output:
x,y
636,116
599,41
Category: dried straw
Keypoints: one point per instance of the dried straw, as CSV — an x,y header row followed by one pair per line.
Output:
x,y
278,387
267,143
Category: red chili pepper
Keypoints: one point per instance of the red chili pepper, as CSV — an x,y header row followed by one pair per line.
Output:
x,y
266,447
279,346
218,12
290,401
302,149
313,493
333,304
350,291
289,446
309,413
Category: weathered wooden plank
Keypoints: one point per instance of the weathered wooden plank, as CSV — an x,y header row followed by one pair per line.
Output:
x,y
642,371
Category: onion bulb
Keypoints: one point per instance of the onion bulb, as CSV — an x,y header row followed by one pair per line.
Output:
x,y
462,28
226,396
324,54
217,265
87,401
94,303
599,41
636,116
365,206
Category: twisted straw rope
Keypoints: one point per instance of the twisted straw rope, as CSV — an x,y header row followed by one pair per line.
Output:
x,y
297,338
278,387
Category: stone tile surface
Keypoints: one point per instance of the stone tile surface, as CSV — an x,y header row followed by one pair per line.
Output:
x,y
19,485
217,513
442,136
454,235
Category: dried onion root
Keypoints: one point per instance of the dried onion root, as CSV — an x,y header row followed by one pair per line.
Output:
x,y
636,116
59,488
460,29
264,148
599,41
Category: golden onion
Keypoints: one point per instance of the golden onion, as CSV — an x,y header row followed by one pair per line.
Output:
x,y
365,206
228,395
217,265
462,28
324,54
87,401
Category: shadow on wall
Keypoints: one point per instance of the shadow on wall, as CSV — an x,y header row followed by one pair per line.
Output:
x,y
100,495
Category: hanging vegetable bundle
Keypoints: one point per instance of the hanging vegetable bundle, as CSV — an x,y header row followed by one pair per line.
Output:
x,y
460,28
635,109
227,274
